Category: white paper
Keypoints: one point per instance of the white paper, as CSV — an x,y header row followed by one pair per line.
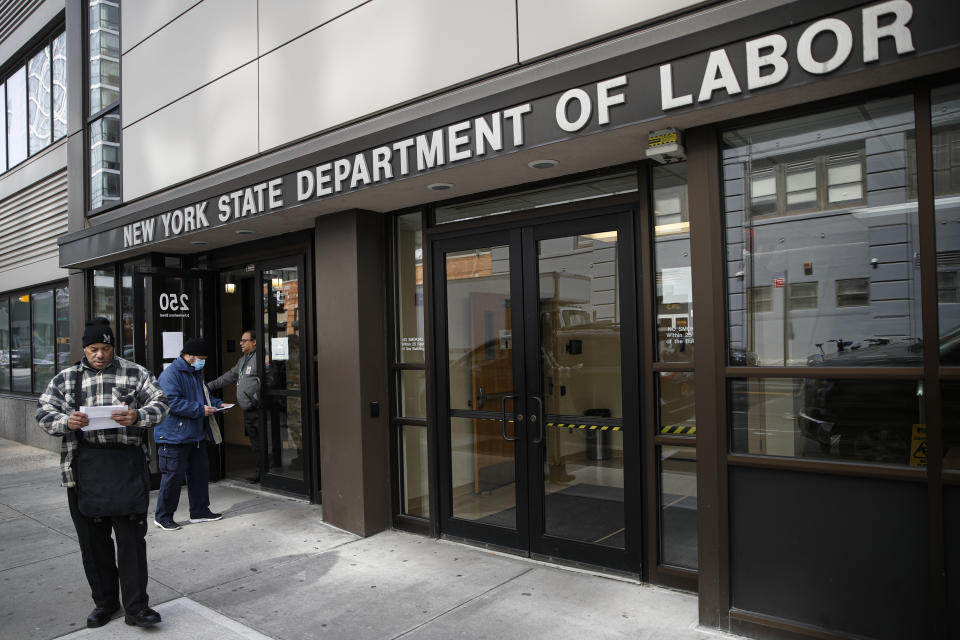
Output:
x,y
100,416
225,406
279,349
172,344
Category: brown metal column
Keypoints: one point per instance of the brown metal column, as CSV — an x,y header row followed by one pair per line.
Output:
x,y
707,260
352,367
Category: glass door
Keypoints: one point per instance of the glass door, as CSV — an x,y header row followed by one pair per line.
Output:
x,y
283,382
538,436
170,306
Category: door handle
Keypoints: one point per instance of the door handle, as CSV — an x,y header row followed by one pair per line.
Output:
x,y
503,419
481,399
534,418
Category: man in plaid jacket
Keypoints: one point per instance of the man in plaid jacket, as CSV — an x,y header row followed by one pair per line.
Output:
x,y
106,380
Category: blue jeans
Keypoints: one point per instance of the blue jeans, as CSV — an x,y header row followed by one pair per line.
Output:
x,y
177,461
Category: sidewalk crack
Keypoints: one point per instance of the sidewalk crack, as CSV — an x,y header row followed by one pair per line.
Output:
x,y
462,604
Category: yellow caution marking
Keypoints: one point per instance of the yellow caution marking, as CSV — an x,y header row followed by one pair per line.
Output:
x,y
678,430
585,427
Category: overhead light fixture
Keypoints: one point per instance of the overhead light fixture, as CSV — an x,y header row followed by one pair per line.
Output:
x,y
603,236
276,282
542,164
440,186
244,232
199,243
229,286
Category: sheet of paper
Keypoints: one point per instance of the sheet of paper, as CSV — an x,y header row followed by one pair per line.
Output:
x,y
225,406
100,416
279,348
172,344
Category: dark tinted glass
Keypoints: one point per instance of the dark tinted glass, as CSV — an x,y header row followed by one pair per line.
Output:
x,y
863,420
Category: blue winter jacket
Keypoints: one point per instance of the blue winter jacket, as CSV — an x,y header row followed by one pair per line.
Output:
x,y
185,423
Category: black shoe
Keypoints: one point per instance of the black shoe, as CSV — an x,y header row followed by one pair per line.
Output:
x,y
146,617
209,516
167,525
253,479
102,615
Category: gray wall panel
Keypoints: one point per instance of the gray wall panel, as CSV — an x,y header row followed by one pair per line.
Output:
x,y
219,34
546,26
283,20
210,128
381,54
139,20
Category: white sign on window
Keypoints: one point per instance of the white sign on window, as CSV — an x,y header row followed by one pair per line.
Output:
x,y
279,348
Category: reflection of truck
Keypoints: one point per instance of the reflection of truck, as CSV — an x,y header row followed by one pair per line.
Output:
x,y
863,418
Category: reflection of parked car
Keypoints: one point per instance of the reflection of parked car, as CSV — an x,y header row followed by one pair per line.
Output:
x,y
874,419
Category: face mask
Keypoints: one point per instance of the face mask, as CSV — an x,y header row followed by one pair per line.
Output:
x,y
198,364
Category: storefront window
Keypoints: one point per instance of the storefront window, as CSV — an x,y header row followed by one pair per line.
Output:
x,y
415,481
21,356
945,109
4,344
413,394
63,327
821,230
104,295
678,507
44,341
126,301
950,392
846,419
677,412
410,382
410,287
671,220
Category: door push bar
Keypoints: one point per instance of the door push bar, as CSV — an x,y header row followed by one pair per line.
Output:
x,y
503,419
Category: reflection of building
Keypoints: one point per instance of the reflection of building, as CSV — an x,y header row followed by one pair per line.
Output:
x,y
445,229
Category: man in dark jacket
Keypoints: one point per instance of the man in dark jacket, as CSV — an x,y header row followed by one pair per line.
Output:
x,y
245,374
101,379
182,438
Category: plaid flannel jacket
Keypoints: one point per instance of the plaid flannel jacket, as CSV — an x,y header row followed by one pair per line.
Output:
x,y
121,382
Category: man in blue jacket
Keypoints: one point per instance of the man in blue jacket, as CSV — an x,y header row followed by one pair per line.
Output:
x,y
182,437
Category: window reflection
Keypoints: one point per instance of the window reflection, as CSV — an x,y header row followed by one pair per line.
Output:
x,y
39,100
950,394
678,507
677,407
864,420
945,109
821,238
410,287
672,263
42,338
5,344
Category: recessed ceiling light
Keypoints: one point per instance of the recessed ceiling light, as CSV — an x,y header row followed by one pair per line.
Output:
x,y
440,186
542,164
244,232
199,243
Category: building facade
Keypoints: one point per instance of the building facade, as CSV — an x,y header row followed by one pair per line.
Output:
x,y
470,238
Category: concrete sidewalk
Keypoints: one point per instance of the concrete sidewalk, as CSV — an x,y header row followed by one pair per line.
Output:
x,y
272,569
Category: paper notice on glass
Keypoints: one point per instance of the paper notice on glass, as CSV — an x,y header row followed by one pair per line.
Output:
x,y
279,349
100,416
225,406
172,344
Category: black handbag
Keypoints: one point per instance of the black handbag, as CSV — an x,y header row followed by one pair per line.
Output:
x,y
113,480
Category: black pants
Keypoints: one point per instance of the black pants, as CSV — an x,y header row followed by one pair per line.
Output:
x,y
111,574
252,427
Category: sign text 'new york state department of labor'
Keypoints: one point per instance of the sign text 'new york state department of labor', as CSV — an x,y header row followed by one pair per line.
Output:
x,y
794,56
